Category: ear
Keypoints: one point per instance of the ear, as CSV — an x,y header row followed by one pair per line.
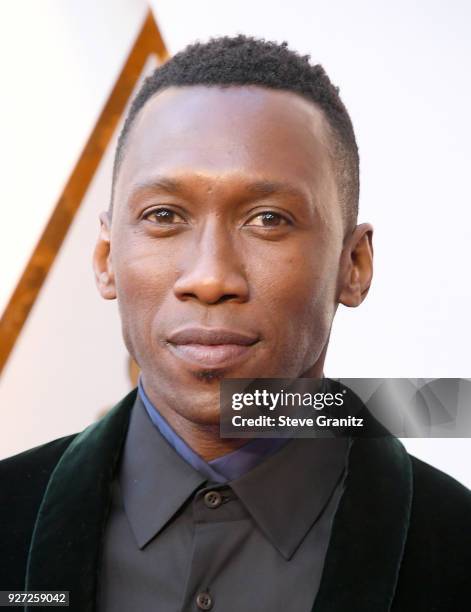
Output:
x,y
356,269
102,264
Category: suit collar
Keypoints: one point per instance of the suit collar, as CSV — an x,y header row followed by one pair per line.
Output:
x,y
369,531
66,541
364,554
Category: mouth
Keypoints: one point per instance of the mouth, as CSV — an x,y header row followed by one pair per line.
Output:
x,y
211,348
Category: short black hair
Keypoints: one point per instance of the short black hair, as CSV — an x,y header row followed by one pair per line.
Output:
x,y
243,60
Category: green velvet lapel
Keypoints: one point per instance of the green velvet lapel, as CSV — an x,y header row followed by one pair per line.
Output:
x,y
364,555
67,537
369,530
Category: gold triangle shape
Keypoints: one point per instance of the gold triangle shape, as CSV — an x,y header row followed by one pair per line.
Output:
x,y
148,42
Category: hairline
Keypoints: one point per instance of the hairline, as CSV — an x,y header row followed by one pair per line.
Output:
x,y
335,138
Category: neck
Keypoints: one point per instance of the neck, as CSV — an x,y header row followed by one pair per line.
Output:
x,y
203,438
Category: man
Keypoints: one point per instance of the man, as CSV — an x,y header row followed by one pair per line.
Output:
x,y
230,241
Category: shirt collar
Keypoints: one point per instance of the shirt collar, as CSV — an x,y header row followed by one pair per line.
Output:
x,y
155,480
228,467
288,492
182,448
285,494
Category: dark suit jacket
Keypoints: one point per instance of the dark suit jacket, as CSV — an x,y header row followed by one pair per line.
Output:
x,y
401,538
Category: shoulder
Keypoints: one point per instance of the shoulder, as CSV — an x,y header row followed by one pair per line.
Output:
x,y
440,521
438,497
32,465
438,547
23,480
23,477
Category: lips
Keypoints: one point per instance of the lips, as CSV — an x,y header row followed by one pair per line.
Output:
x,y
210,348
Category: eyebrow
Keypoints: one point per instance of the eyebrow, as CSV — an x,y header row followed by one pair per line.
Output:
x,y
257,188
266,188
161,183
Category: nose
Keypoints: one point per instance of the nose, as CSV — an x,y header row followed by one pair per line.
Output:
x,y
213,271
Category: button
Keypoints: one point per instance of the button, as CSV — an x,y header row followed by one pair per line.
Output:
x,y
212,499
204,601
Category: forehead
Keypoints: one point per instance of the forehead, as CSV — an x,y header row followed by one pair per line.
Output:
x,y
238,132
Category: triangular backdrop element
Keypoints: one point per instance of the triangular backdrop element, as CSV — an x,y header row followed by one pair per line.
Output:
x,y
148,43
61,351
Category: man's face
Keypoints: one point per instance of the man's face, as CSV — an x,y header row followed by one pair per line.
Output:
x,y
225,247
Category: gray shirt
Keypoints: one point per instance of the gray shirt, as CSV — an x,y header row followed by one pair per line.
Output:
x,y
177,542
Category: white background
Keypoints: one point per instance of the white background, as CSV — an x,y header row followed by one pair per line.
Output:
x,y
403,70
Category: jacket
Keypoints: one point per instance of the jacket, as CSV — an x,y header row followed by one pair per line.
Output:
x,y
400,540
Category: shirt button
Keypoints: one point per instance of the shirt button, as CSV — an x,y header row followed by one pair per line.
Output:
x,y
212,499
204,601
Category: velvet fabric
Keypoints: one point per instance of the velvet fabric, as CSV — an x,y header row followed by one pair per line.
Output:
x,y
400,541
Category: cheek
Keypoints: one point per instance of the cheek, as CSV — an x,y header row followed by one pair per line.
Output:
x,y
298,292
142,282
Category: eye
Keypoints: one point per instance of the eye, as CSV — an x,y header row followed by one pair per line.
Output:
x,y
164,216
268,218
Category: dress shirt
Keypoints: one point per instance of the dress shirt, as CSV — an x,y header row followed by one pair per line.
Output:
x,y
177,541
